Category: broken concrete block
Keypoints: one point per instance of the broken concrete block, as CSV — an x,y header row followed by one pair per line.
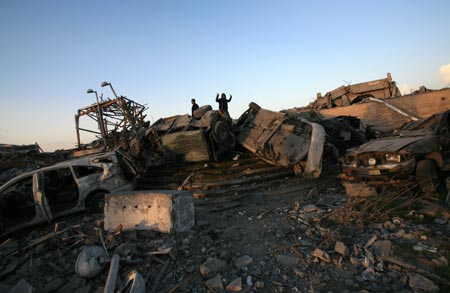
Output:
x,y
215,282
287,260
309,208
235,285
213,266
243,261
165,211
341,248
418,282
322,255
382,248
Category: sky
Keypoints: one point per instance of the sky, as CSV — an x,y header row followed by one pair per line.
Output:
x,y
279,54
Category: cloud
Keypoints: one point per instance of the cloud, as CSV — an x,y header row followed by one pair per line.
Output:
x,y
405,89
444,71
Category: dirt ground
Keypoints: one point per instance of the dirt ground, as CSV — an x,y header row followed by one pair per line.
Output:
x,y
251,235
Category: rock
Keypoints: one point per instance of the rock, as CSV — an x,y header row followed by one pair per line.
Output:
x,y
341,248
84,289
371,241
215,282
213,266
399,233
243,261
389,225
382,248
440,221
235,285
421,283
368,274
259,285
53,285
287,260
309,208
322,255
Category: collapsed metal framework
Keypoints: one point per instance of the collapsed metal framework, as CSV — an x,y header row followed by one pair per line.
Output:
x,y
112,116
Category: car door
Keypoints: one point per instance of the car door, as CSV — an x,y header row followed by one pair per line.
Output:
x,y
41,199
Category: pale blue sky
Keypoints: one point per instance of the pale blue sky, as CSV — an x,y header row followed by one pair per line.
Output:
x,y
163,53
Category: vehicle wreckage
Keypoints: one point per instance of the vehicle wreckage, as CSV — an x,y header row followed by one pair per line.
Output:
x,y
62,189
420,150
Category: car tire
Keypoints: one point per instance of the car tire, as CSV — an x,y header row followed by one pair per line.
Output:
x,y
201,111
255,107
427,176
95,201
221,132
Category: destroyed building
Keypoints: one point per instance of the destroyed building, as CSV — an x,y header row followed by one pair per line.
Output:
x,y
244,220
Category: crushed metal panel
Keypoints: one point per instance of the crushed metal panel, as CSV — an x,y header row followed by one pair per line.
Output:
x,y
187,146
165,211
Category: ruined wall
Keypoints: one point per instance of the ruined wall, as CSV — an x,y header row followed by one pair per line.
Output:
x,y
382,118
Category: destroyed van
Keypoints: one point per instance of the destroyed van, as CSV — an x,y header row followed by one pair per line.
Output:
x,y
64,188
419,151
204,137
282,140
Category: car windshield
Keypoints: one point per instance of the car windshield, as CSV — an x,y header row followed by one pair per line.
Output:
x,y
426,124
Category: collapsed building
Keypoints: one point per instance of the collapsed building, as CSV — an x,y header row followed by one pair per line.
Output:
x,y
204,175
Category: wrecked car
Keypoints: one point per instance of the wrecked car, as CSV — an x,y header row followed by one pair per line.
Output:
x,y
203,137
282,140
64,188
419,150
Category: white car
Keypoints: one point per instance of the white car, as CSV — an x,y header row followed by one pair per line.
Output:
x,y
64,188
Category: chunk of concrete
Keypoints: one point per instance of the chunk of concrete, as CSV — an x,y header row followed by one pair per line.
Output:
x,y
341,248
322,255
287,260
165,211
418,282
213,266
243,261
215,282
235,285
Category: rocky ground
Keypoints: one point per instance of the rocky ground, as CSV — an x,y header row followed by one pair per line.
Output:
x,y
259,233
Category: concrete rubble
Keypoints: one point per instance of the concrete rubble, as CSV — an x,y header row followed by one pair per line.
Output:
x,y
236,220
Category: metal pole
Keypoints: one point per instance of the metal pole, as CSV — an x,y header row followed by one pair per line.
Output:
x,y
100,118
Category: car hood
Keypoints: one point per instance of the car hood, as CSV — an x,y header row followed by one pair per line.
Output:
x,y
386,145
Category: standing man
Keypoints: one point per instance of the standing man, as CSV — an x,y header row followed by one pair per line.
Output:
x,y
194,106
223,102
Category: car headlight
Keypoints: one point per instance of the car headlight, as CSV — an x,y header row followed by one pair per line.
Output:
x,y
372,161
393,158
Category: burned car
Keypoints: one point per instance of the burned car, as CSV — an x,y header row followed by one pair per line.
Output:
x,y
419,151
204,137
282,140
64,188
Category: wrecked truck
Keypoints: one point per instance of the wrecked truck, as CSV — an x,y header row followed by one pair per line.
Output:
x,y
282,140
64,188
204,137
419,151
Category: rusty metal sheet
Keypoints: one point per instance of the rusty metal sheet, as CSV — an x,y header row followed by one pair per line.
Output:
x,y
387,145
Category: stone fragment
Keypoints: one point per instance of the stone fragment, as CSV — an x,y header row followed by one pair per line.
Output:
x,y
215,282
287,260
354,261
259,285
371,241
440,221
382,248
368,274
213,266
389,225
309,208
235,285
421,283
341,248
53,285
322,255
399,233
243,261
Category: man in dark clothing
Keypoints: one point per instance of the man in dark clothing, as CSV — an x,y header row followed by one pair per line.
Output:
x,y
223,102
194,106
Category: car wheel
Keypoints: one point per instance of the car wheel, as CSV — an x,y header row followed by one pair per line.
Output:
x,y
96,202
221,132
427,176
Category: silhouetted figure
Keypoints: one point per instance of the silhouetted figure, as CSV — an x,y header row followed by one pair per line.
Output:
x,y
223,102
194,106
